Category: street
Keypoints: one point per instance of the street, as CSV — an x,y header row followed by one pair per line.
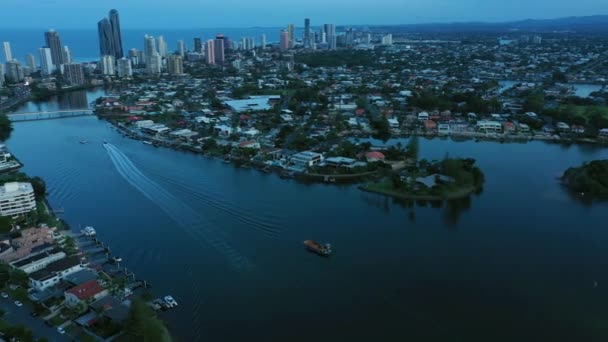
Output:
x,y
21,315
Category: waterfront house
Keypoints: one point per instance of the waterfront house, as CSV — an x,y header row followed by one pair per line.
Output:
x,y
489,126
508,127
306,158
111,308
32,240
86,292
563,127
443,128
578,129
38,261
430,125
54,272
523,128
423,116
603,132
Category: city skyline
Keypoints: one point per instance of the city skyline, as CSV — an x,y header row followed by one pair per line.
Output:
x,y
184,14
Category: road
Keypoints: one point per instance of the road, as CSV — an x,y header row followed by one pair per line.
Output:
x,y
21,315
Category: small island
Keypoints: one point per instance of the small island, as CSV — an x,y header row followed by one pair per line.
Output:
x,y
450,178
589,180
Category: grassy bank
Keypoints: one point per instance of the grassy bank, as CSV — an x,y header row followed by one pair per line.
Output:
x,y
385,187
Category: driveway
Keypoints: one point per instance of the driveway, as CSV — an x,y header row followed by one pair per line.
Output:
x,y
21,315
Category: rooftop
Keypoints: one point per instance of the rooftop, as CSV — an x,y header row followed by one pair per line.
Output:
x,y
33,258
53,268
86,290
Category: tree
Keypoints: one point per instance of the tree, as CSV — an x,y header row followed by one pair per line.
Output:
x,y
6,224
143,325
6,128
382,128
39,187
413,147
69,245
18,277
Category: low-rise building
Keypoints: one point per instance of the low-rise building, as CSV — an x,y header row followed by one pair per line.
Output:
x,y
306,158
489,126
54,272
38,261
86,292
16,198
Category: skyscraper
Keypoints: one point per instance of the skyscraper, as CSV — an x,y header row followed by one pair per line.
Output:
x,y
263,42
1,75
67,55
149,47
387,39
110,38
106,40
163,49
307,33
31,62
154,64
181,48
116,34
107,65
54,43
74,75
46,61
198,45
290,31
124,68
175,65
7,51
134,56
14,71
330,35
210,51
218,49
284,39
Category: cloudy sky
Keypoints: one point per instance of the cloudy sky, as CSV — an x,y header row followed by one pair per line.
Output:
x,y
63,14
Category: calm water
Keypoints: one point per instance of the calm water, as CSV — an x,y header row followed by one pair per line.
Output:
x,y
580,89
516,263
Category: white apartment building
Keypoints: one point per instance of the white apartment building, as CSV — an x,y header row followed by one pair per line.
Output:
x,y
16,198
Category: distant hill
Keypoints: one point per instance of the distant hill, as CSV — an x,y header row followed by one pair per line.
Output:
x,y
596,23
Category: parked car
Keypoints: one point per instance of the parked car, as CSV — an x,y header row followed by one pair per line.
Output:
x,y
4,295
18,303
61,330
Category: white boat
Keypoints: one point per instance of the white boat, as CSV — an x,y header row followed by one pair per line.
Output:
x,y
147,142
88,231
170,301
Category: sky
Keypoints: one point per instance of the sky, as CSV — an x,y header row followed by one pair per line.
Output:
x,y
180,14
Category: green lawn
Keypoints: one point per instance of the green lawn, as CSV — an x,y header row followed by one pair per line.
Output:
x,y
585,111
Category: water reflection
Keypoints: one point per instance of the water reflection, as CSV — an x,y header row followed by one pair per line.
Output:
x,y
451,210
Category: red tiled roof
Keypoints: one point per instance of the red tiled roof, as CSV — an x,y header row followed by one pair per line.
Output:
x,y
374,155
86,290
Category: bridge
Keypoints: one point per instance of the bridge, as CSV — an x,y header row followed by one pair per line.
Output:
x,y
49,115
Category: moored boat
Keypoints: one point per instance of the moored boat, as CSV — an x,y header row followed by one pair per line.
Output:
x,y
320,249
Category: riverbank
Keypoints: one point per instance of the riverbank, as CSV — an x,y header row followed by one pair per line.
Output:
x,y
382,189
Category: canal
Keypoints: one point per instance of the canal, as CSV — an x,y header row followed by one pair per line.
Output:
x,y
521,261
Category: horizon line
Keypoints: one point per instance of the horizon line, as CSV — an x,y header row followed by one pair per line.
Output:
x,y
456,22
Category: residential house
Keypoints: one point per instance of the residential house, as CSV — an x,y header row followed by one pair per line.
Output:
x,y
38,261
54,272
89,291
306,158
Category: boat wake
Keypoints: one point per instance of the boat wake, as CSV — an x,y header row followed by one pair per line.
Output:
x,y
269,229
187,218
